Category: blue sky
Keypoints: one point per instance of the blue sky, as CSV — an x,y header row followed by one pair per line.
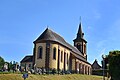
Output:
x,y
22,21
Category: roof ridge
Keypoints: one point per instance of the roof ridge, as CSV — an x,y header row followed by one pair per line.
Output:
x,y
50,35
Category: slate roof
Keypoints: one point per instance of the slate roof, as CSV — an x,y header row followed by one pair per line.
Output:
x,y
52,36
27,59
95,65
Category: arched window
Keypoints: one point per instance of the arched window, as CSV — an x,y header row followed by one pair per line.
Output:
x,y
40,52
54,53
67,58
84,48
79,46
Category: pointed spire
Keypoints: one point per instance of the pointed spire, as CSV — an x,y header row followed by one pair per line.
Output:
x,y
80,34
47,27
80,29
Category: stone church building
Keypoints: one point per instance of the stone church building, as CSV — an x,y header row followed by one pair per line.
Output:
x,y
51,51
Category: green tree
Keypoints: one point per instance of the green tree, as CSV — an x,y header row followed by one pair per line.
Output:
x,y
10,65
1,62
114,64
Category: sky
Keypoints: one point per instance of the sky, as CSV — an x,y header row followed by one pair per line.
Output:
x,y
22,21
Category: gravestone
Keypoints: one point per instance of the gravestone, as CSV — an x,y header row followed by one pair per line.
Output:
x,y
25,76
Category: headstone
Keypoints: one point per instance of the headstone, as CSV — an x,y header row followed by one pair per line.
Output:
x,y
25,76
5,67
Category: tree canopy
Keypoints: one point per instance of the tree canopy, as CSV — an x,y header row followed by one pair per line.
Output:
x,y
114,64
2,61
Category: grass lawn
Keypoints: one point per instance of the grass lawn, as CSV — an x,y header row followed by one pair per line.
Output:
x,y
50,77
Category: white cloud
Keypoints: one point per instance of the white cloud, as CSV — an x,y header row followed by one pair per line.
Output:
x,y
101,43
102,52
97,15
89,27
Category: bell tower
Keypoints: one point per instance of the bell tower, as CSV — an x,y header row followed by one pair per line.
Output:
x,y
80,42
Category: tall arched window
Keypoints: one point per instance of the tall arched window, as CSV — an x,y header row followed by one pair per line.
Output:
x,y
54,53
67,58
79,46
84,48
40,52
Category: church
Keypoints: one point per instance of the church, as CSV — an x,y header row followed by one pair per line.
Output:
x,y
51,51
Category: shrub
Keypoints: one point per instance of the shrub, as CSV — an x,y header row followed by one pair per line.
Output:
x,y
99,72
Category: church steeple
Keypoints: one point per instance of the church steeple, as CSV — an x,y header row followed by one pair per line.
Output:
x,y
80,34
80,42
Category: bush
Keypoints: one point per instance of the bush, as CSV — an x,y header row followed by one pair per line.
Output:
x,y
99,72
54,71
